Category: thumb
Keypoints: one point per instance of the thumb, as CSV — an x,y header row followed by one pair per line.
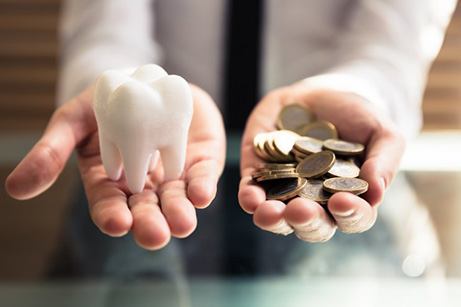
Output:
x,y
385,150
40,168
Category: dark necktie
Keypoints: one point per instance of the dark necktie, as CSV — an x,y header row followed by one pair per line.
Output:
x,y
241,92
241,84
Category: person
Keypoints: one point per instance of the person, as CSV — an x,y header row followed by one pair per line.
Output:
x,y
358,64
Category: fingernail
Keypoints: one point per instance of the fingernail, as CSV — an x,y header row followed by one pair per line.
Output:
x,y
282,228
347,213
317,230
311,225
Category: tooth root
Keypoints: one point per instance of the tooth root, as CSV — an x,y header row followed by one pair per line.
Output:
x,y
154,161
136,164
173,159
110,157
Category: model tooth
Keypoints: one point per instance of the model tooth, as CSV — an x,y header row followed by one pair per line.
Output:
x,y
139,114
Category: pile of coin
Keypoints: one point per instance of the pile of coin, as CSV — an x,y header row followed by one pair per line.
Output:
x,y
305,158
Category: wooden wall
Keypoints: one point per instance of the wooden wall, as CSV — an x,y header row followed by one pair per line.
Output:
x,y
28,62
28,65
442,100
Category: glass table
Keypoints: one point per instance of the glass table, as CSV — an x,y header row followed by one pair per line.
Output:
x,y
275,292
251,273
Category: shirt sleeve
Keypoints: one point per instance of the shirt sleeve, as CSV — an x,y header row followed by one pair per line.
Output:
x,y
384,54
99,35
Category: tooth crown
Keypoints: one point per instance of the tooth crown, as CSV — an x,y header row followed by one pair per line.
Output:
x,y
138,114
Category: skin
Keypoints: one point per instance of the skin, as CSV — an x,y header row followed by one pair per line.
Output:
x,y
166,209
356,122
162,209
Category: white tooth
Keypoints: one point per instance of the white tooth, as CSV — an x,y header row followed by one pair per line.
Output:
x,y
154,160
110,157
137,115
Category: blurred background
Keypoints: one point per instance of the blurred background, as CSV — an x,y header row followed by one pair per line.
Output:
x,y
30,231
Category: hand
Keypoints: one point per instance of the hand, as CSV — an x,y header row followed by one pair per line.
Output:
x,y
163,209
355,122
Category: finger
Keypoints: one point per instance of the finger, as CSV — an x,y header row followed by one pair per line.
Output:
x,y
206,150
269,216
178,210
41,167
352,213
106,199
150,229
250,196
384,152
261,119
309,220
202,180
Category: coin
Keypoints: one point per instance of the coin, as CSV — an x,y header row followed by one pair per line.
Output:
x,y
314,191
343,148
299,155
299,159
262,174
353,185
275,166
283,141
284,189
258,144
280,175
256,174
344,168
308,145
316,165
294,116
267,148
302,149
274,155
321,130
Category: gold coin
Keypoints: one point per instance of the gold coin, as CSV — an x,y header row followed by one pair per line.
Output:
x,y
283,141
258,144
353,185
261,172
272,153
254,176
343,148
321,130
276,166
316,165
267,149
344,168
280,175
308,145
300,159
313,190
298,154
294,116
283,170
284,189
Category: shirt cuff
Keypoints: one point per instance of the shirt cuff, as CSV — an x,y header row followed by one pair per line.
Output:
x,y
348,83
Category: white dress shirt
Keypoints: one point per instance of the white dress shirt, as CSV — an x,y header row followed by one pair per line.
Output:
x,y
379,49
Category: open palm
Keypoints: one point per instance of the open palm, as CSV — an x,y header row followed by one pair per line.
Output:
x,y
356,122
162,209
